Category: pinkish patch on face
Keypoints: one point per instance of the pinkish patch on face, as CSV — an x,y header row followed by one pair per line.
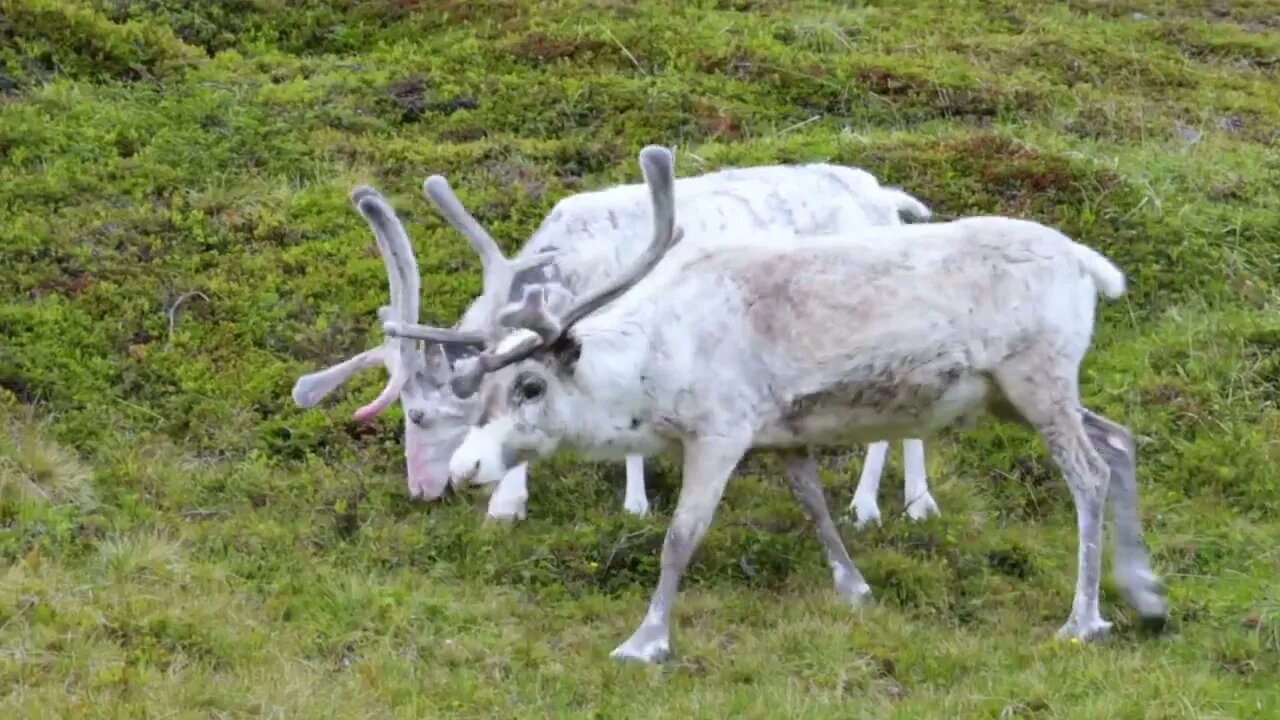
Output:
x,y
427,479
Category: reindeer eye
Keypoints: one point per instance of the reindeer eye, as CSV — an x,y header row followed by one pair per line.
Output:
x,y
531,387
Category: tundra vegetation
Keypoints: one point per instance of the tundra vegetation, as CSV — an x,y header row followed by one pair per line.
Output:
x,y
178,247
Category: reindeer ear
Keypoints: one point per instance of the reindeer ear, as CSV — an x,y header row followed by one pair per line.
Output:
x,y
566,351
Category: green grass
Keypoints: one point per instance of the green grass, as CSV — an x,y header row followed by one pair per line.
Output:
x,y
179,540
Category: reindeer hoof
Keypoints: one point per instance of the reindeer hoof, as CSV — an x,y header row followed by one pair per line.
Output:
x,y
923,507
506,510
1145,593
507,516
857,595
865,514
1085,631
648,644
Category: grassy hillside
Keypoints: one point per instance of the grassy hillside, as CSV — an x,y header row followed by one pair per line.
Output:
x,y
179,540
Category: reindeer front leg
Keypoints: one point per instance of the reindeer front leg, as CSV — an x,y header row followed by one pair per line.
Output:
x,y
707,467
510,499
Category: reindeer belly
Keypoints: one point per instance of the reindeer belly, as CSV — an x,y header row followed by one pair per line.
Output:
x,y
871,411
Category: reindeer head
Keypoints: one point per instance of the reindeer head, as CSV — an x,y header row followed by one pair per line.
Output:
x,y
435,420
517,378
439,404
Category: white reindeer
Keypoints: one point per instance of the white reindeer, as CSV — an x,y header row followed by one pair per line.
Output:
x,y
884,333
586,240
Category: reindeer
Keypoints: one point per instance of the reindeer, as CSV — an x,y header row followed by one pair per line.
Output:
x,y
586,240
888,332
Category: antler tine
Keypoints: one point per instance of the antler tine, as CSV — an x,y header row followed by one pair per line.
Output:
x,y
659,174
311,388
397,252
437,189
404,282
498,270
432,334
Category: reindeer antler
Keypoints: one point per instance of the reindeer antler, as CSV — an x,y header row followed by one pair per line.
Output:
x,y
539,310
404,283
658,168
533,312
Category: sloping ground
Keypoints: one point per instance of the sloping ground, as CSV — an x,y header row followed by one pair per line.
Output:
x,y
181,541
